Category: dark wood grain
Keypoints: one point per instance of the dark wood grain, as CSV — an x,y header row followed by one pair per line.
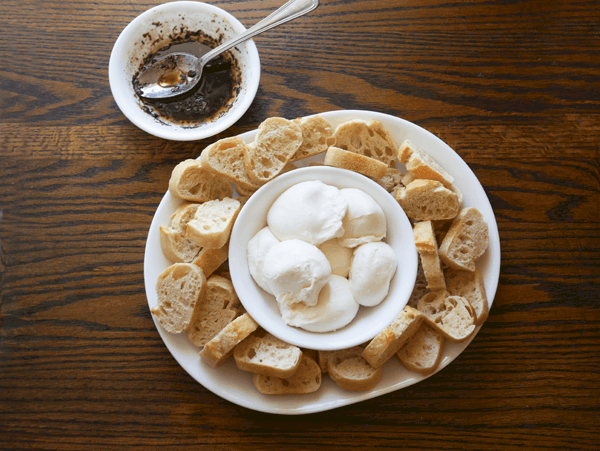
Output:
x,y
512,86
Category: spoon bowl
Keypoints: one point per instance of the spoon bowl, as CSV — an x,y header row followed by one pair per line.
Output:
x,y
178,73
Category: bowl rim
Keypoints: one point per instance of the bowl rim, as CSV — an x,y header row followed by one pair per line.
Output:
x,y
254,299
122,92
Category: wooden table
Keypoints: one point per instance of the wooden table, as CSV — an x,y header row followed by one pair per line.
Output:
x,y
512,86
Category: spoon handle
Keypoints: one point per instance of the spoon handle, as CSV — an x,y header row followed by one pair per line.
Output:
x,y
290,11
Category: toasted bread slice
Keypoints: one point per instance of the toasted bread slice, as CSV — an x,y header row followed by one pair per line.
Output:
x,y
267,355
221,347
421,166
425,200
190,181
225,158
210,259
212,224
420,289
428,252
180,288
323,359
275,144
385,344
350,371
466,240
469,285
306,379
176,247
369,138
184,212
317,136
452,315
217,309
344,159
423,351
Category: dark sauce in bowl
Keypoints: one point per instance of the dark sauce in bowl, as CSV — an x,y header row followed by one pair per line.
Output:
x,y
213,95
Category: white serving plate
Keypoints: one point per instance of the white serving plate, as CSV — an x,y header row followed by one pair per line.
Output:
x,y
235,385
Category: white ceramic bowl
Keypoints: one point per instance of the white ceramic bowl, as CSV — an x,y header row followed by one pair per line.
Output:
x,y
149,32
263,306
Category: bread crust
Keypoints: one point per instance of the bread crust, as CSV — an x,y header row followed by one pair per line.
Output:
x,y
453,316
179,289
317,136
208,260
190,181
212,224
306,379
421,166
422,352
428,200
350,371
221,347
267,355
225,158
275,144
428,252
344,159
216,309
369,138
385,344
471,286
466,240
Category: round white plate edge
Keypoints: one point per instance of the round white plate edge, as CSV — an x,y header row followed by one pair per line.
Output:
x,y
235,385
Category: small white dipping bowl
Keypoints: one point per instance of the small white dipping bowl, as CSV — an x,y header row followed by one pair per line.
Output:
x,y
370,320
155,29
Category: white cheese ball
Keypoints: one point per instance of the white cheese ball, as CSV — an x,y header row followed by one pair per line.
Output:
x,y
310,211
364,221
295,271
335,308
373,266
257,249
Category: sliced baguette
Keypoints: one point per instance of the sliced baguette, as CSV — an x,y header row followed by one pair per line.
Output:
x,y
210,259
420,289
423,351
190,181
179,288
452,315
176,247
469,285
385,344
425,200
211,226
306,379
466,240
351,161
221,347
225,158
317,136
350,371
368,138
217,308
267,355
275,144
184,212
421,166
428,252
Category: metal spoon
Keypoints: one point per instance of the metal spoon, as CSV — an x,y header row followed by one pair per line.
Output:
x,y
177,73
